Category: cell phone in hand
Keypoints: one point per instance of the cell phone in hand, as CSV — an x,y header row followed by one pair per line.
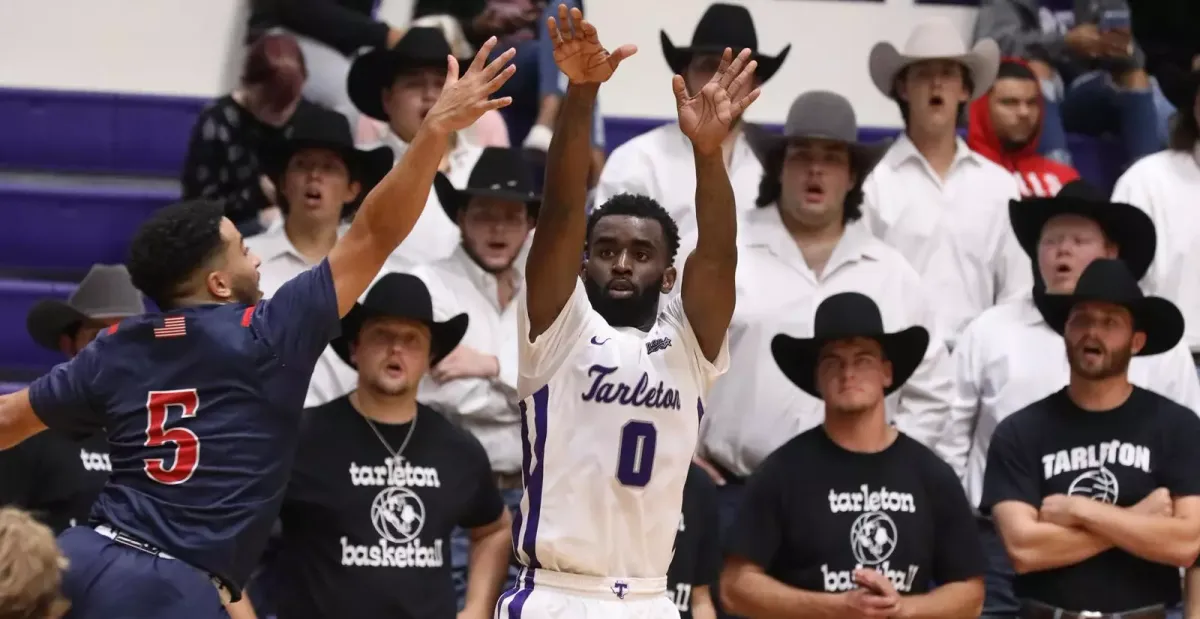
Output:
x,y
1115,20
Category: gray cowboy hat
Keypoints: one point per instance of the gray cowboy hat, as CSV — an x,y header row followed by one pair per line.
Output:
x,y
106,292
932,40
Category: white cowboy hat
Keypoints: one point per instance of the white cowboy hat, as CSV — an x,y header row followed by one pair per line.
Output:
x,y
935,39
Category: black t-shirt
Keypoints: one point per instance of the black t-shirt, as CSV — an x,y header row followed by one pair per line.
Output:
x,y
1118,457
697,557
366,536
814,512
54,477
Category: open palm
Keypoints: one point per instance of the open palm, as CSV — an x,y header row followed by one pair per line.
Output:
x,y
577,49
707,117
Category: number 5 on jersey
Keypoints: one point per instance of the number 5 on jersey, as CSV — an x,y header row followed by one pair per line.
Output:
x,y
187,445
635,459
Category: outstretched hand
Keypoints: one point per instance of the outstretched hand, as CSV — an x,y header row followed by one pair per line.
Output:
x,y
464,100
577,49
707,117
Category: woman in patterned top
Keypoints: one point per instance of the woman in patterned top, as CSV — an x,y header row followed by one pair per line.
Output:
x,y
223,154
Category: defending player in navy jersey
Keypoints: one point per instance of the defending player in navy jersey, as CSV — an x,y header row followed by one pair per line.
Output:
x,y
613,384
201,403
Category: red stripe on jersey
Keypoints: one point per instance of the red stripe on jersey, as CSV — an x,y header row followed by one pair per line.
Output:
x,y
247,315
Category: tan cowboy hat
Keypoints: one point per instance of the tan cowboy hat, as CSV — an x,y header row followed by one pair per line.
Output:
x,y
931,40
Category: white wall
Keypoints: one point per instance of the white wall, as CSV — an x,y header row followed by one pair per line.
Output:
x,y
191,47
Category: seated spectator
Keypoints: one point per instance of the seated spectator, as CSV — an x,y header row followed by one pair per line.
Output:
x,y
398,86
658,164
224,153
1091,69
1165,185
329,33
31,569
1006,126
321,178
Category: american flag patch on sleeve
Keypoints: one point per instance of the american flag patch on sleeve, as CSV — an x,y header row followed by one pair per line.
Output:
x,y
173,326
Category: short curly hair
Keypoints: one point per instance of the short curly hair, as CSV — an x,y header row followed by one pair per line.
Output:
x,y
643,207
31,567
170,246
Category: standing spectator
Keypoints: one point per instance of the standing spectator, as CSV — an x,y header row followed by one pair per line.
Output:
x,y
940,203
329,33
373,497
658,164
1165,185
398,86
321,179
1006,127
697,560
802,245
1009,357
912,548
51,475
1169,33
1095,489
475,386
224,158
31,569
1090,68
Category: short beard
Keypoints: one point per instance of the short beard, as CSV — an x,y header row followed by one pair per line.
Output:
x,y
377,387
480,263
638,311
1010,146
1117,363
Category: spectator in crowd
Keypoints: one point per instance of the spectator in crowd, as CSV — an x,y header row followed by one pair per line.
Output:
x,y
321,179
1010,357
31,569
1165,185
1091,69
373,498
803,244
1169,34
1095,489
658,163
1006,127
697,559
933,198
329,32
50,475
224,156
912,549
398,86
475,386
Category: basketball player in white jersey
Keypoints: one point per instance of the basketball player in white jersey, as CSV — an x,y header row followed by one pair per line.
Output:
x,y
613,384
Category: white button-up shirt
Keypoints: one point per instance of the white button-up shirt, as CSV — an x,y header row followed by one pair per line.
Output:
x,y
435,235
487,407
1009,358
1167,186
660,163
281,261
754,408
955,232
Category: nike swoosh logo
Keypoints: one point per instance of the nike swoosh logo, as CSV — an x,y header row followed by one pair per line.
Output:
x,y
600,343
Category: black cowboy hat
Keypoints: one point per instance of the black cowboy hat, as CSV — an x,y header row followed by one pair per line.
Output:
x,y
401,295
723,25
499,173
106,292
843,316
1126,225
317,127
1111,281
373,71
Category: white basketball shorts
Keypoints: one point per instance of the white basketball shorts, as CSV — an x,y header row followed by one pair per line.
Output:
x,y
542,594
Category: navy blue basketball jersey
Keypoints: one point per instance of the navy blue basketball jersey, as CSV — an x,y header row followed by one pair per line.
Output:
x,y
201,407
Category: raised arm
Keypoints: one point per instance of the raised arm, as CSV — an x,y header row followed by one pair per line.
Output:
x,y
389,212
557,247
706,119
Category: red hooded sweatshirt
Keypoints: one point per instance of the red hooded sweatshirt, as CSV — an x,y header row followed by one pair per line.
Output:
x,y
1035,174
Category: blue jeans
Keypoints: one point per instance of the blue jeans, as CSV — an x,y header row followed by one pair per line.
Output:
x,y
460,552
1094,105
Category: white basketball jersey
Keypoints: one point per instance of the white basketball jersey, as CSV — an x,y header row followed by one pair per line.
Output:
x,y
609,425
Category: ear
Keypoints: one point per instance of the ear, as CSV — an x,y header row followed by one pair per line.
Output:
x,y
1137,342
219,285
669,276
352,191
888,375
353,348
900,86
66,345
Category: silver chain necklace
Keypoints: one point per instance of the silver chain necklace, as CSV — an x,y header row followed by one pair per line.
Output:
x,y
379,435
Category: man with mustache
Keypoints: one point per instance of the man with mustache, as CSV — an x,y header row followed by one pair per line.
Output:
x,y
1095,489
1002,360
